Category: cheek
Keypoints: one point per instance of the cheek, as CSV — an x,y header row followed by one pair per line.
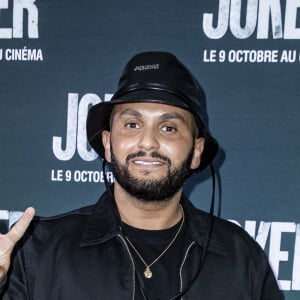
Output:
x,y
122,146
180,151
177,152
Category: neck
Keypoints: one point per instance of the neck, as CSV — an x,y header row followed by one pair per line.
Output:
x,y
154,215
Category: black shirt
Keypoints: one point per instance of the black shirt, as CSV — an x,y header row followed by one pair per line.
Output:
x,y
165,280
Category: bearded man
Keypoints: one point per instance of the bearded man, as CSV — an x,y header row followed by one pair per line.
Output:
x,y
143,239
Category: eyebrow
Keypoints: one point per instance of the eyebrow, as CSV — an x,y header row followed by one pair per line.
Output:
x,y
132,112
177,116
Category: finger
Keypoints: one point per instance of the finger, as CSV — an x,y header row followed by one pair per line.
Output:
x,y
18,230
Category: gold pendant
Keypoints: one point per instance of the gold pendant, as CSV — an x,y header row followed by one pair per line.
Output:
x,y
148,273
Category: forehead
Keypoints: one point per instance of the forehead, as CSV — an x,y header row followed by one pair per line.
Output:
x,y
157,110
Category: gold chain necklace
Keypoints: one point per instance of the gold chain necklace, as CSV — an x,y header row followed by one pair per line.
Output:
x,y
148,273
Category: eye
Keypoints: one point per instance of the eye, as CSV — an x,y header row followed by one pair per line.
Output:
x,y
132,125
168,128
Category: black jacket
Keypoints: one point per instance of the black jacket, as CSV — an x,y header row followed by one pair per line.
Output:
x,y
83,255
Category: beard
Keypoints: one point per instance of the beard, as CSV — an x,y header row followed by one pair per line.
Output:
x,y
147,190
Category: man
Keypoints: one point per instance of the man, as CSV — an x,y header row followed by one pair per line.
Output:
x,y
143,239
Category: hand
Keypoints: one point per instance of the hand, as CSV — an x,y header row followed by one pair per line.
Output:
x,y
9,240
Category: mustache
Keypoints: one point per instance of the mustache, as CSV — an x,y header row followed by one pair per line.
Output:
x,y
152,154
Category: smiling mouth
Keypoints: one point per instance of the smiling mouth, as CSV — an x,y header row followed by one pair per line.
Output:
x,y
147,163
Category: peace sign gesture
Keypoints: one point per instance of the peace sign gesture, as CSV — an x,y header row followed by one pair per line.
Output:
x,y
9,240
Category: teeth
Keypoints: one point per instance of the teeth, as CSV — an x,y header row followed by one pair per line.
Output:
x,y
147,163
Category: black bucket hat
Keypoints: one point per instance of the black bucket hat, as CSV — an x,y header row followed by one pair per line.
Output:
x,y
155,77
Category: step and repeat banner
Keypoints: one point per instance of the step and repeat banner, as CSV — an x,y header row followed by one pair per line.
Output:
x,y
60,57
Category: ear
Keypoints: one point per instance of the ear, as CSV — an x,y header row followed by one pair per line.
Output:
x,y
198,149
106,144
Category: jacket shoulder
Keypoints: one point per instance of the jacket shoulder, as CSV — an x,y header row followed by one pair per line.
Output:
x,y
64,225
229,236
233,235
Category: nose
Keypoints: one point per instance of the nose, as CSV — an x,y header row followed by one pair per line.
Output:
x,y
148,140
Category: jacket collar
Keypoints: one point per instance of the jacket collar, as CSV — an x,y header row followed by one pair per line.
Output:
x,y
104,224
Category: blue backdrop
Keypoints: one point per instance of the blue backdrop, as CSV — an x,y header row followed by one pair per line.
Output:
x,y
57,58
